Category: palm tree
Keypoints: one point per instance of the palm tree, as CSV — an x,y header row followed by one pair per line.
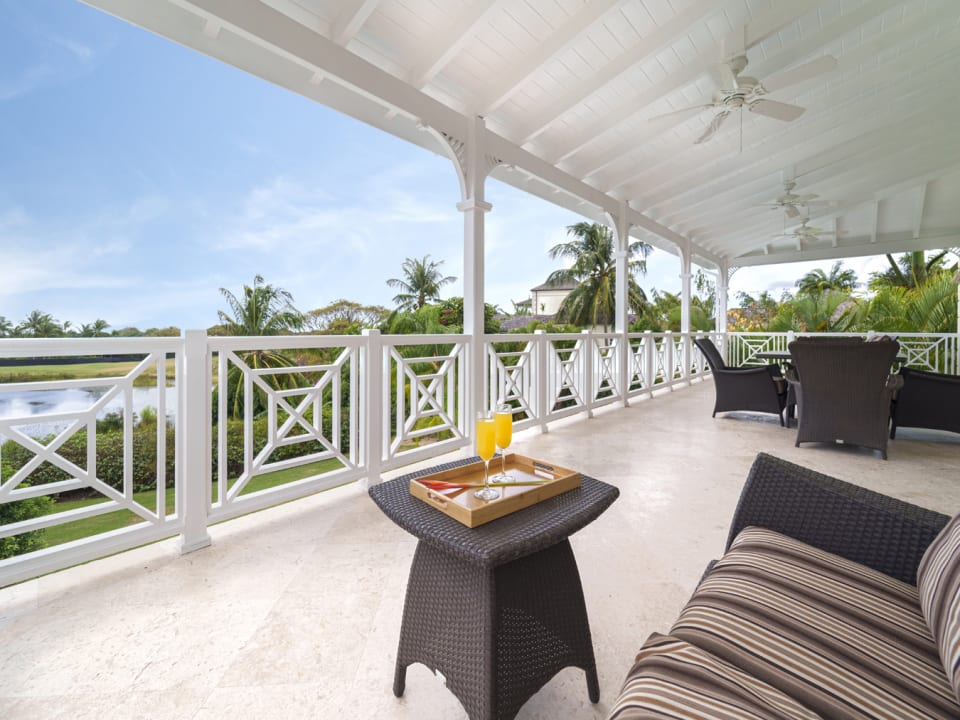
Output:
x,y
829,311
421,283
261,310
910,270
39,324
594,269
817,281
6,327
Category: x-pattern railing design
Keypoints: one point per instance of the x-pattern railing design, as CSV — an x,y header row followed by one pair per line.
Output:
x,y
511,378
426,399
84,477
294,417
565,380
639,348
606,367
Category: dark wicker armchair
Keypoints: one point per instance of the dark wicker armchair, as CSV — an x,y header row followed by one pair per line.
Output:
x,y
927,400
754,389
844,391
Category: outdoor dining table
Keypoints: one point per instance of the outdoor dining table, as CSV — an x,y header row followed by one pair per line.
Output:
x,y
496,610
783,356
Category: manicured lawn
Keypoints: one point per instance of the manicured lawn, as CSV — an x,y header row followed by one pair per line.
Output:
x,y
38,373
121,518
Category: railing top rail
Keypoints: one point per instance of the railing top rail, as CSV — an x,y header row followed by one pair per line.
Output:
x,y
424,339
67,347
285,342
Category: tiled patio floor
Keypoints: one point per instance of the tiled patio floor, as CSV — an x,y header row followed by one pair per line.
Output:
x,y
294,612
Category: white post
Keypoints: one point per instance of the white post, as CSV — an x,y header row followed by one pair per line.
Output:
x,y
685,296
622,256
587,349
193,439
723,297
649,364
372,406
474,207
542,380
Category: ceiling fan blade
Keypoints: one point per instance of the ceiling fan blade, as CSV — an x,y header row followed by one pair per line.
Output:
x,y
681,111
776,110
792,211
724,77
800,73
804,199
713,127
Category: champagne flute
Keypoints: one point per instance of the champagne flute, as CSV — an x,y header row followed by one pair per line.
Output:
x,y
503,433
486,446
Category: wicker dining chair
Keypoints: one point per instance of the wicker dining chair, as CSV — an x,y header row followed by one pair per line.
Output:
x,y
753,389
844,391
927,400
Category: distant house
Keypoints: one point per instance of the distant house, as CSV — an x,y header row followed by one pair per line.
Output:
x,y
546,299
542,305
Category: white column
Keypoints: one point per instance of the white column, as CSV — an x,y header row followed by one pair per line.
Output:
x,y
473,206
193,439
622,321
723,285
373,402
685,294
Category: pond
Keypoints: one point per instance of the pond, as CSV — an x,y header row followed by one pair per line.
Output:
x,y
31,403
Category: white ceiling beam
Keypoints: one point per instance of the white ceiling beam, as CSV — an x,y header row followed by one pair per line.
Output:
x,y
558,41
287,7
790,56
449,43
511,154
264,25
644,49
351,18
876,185
848,152
716,157
824,121
862,249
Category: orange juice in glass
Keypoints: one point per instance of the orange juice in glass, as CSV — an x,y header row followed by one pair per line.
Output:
x,y
486,447
503,434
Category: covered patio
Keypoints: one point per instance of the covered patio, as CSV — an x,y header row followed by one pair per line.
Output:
x,y
294,611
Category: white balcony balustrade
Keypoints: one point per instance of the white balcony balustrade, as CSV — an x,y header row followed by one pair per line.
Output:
x,y
254,422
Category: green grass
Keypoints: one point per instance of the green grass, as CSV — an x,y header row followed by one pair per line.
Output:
x,y
75,371
78,529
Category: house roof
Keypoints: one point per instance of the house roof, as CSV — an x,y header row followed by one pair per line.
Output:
x,y
558,286
583,105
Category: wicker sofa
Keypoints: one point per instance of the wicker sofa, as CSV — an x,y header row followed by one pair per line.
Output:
x,y
831,601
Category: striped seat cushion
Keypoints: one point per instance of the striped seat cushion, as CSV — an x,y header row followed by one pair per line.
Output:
x,y
672,679
938,581
843,640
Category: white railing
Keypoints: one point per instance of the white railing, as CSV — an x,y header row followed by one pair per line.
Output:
x,y
251,422
924,351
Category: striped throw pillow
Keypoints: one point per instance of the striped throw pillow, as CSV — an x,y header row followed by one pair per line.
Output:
x,y
938,582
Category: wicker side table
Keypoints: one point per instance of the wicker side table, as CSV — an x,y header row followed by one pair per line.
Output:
x,y
498,610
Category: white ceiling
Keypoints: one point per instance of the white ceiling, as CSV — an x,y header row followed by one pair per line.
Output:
x,y
567,89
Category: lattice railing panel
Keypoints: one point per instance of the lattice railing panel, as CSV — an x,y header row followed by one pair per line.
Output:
x,y
299,421
73,450
425,385
565,379
512,378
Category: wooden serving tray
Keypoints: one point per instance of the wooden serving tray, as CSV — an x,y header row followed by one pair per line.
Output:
x,y
461,505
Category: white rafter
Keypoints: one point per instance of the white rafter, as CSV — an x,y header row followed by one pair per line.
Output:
x,y
442,49
351,19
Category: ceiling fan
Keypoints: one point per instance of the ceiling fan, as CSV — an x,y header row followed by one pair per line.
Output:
x,y
736,91
805,233
791,203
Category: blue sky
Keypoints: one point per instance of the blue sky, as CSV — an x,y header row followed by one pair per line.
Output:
x,y
138,177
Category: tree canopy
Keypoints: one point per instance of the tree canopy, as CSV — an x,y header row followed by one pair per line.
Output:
x,y
421,283
594,270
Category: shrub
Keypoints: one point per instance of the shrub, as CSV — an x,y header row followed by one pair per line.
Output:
x,y
16,511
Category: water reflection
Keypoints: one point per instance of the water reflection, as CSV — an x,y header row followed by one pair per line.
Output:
x,y
28,404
